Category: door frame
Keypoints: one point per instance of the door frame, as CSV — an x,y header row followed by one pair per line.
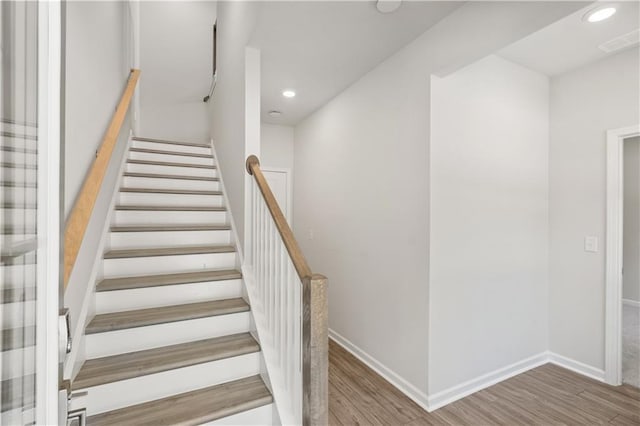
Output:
x,y
48,214
288,173
614,256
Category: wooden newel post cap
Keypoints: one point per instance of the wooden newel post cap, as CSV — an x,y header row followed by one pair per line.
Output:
x,y
252,160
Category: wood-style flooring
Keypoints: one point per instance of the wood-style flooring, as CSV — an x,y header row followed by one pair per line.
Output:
x,y
547,395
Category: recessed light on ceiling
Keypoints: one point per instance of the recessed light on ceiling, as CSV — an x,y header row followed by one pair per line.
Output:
x,y
600,14
388,6
288,93
275,114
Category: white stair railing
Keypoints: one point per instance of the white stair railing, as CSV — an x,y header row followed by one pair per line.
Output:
x,y
290,308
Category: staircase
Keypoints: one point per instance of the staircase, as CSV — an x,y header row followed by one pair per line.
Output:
x,y
18,169
171,340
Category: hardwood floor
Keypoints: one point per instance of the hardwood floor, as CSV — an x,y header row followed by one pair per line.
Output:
x,y
547,395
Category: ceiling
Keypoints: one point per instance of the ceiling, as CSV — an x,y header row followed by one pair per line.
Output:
x,y
571,42
319,48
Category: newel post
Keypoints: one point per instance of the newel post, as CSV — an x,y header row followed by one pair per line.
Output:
x,y
315,341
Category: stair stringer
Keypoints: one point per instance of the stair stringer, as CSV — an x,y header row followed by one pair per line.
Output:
x,y
264,372
86,310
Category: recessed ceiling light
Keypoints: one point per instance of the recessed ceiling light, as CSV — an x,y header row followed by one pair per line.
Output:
x,y
388,6
600,14
275,114
288,93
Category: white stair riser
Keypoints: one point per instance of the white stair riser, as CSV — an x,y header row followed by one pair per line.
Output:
x,y
120,394
19,142
18,276
20,175
144,217
19,195
19,314
16,237
19,129
18,416
142,198
151,297
171,170
173,333
18,362
135,155
171,147
19,157
171,264
168,238
162,183
18,217
257,416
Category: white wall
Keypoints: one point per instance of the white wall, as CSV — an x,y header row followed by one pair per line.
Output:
x,y
235,105
584,104
176,42
489,220
95,80
96,73
361,188
276,146
631,249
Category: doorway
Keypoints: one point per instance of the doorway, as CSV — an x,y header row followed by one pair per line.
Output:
x,y
631,263
615,252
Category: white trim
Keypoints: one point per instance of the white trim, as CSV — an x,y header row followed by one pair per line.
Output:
x,y
77,355
392,377
629,302
48,214
234,232
462,390
613,284
454,393
576,366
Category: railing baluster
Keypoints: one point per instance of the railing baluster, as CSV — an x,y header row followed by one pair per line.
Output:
x,y
290,309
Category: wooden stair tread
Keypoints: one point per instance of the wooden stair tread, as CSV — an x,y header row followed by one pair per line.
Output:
x,y
170,191
199,145
18,166
165,314
6,134
168,251
11,184
126,283
191,408
12,400
165,176
16,338
172,227
109,369
171,208
8,148
162,151
21,294
171,164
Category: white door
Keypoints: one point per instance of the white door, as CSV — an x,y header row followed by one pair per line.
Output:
x,y
280,182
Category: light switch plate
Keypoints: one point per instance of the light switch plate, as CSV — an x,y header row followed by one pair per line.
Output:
x,y
591,244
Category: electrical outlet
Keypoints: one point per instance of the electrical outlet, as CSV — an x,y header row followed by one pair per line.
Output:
x,y
591,244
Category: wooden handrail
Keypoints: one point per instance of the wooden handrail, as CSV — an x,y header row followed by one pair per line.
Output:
x,y
299,262
83,207
315,313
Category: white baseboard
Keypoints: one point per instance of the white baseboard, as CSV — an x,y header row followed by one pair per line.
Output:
x,y
454,393
401,384
629,302
457,392
576,366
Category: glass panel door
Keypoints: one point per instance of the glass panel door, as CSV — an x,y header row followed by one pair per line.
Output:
x,y
19,206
